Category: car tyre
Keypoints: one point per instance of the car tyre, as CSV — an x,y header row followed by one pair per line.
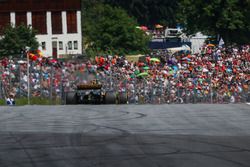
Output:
x,y
110,98
71,98
122,98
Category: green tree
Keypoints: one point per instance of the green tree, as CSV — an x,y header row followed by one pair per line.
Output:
x,y
16,39
107,28
150,12
228,18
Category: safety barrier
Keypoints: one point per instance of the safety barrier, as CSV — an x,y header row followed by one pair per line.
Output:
x,y
52,81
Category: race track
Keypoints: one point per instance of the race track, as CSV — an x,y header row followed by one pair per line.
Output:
x,y
125,136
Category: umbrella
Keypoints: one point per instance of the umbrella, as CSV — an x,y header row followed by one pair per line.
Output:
x,y
136,72
186,58
205,70
140,64
21,62
39,52
199,68
155,60
171,72
229,70
132,76
175,68
53,61
34,58
210,45
144,28
158,26
143,74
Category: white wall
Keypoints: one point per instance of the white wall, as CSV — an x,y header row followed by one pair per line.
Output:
x,y
64,38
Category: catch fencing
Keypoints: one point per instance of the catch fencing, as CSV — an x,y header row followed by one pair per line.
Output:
x,y
52,80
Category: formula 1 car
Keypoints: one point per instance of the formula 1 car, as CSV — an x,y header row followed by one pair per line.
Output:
x,y
94,94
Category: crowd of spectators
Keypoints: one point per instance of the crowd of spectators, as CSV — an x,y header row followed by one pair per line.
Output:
x,y
216,75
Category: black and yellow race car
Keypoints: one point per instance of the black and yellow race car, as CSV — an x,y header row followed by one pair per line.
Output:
x,y
94,94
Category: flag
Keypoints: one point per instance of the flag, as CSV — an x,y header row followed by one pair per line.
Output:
x,y
221,42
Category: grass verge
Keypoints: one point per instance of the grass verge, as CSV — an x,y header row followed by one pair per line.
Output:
x,y
33,101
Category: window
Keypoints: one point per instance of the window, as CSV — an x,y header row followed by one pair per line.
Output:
x,y
56,22
43,45
75,45
70,45
60,45
71,22
4,21
39,22
21,18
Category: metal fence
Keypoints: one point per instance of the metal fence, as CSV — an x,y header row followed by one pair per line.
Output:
x,y
51,81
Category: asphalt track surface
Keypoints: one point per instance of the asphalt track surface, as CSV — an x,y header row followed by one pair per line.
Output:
x,y
125,136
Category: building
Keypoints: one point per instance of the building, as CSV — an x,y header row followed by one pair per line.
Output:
x,y
174,38
58,23
198,41
170,38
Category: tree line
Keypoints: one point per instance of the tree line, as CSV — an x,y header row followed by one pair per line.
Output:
x,y
109,29
150,12
228,18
